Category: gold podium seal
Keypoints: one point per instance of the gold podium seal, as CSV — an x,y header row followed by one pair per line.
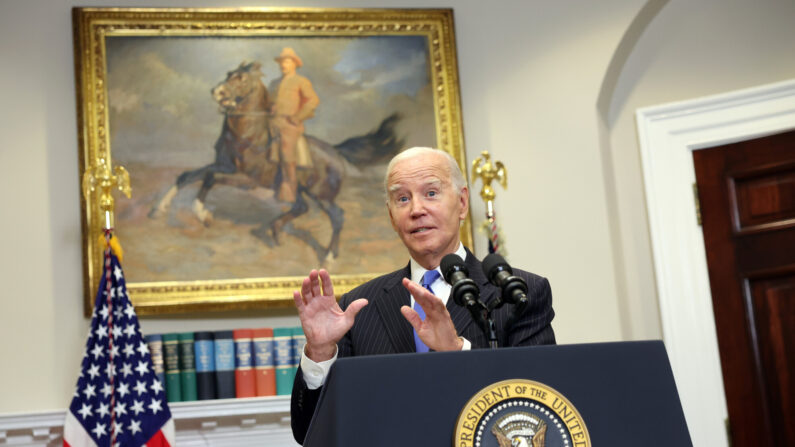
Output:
x,y
520,413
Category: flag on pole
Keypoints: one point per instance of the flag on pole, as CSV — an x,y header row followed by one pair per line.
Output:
x,y
494,235
119,401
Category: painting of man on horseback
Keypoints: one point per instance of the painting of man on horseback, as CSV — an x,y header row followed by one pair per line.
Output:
x,y
262,145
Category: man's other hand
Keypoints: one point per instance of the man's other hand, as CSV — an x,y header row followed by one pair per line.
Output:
x,y
437,331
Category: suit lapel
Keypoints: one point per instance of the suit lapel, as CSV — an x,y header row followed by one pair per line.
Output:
x,y
395,296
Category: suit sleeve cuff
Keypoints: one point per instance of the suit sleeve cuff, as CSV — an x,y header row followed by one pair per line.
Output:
x,y
315,373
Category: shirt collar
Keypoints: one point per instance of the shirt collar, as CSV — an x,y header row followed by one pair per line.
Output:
x,y
417,271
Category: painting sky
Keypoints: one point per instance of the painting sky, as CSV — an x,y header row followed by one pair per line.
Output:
x,y
161,109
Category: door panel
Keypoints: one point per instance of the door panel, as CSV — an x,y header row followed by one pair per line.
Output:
x,y
765,199
773,304
747,197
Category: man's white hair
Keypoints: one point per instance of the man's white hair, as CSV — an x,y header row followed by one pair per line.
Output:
x,y
456,176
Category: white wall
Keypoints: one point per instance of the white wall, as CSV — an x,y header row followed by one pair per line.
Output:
x,y
531,73
690,50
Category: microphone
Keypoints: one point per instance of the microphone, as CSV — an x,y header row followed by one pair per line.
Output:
x,y
465,292
499,273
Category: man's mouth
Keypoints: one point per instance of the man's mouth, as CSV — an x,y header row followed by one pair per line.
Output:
x,y
420,230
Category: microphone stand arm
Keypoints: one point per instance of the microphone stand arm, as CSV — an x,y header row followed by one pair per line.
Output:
x,y
465,293
489,328
492,332
482,316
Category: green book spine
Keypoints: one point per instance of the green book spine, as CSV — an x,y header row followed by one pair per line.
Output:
x,y
187,367
171,357
283,358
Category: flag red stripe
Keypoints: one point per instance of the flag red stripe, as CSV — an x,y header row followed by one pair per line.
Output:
x,y
158,440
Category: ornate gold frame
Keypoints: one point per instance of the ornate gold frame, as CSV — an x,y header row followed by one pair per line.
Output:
x,y
93,25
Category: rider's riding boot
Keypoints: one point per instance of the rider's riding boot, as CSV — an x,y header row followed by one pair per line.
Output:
x,y
289,184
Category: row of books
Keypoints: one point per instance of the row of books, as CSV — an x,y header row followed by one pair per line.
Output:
x,y
227,364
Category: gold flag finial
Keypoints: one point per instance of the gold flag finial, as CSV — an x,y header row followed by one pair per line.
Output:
x,y
103,178
488,171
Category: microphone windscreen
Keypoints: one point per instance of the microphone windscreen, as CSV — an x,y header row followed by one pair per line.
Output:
x,y
450,264
493,261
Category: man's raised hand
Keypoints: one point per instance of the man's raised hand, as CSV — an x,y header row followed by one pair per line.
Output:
x,y
437,331
324,322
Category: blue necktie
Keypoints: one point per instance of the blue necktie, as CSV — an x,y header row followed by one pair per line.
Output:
x,y
427,279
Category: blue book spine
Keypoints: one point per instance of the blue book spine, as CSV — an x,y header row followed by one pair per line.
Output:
x,y
204,345
224,364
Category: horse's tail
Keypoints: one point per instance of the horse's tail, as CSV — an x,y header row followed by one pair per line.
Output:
x,y
375,147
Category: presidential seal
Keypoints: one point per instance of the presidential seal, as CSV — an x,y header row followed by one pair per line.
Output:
x,y
520,413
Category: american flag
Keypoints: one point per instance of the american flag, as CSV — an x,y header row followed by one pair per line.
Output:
x,y
118,400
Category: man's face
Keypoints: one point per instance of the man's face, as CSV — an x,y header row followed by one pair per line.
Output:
x,y
287,64
425,208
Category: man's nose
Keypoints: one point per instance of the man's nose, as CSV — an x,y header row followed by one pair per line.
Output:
x,y
417,207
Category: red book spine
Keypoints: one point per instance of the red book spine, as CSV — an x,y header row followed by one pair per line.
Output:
x,y
244,364
263,362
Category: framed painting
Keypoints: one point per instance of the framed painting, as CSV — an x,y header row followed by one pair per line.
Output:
x,y
256,142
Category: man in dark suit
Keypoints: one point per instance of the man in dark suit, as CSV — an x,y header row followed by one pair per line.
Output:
x,y
427,198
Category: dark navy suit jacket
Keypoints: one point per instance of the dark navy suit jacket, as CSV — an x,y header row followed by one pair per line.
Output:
x,y
380,328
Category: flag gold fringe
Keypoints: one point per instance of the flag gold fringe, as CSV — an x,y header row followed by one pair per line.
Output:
x,y
114,245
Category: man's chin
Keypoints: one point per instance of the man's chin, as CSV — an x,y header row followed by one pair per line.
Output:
x,y
423,242
424,251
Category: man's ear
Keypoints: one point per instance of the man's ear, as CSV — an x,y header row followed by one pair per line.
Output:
x,y
464,202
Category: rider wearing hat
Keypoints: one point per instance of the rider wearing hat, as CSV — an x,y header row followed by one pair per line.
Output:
x,y
295,102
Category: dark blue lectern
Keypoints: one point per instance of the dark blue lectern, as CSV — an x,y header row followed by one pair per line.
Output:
x,y
624,392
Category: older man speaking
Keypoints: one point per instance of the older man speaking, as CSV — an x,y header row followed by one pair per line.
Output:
x,y
409,310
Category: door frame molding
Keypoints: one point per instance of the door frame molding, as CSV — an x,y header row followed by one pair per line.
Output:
x,y
668,133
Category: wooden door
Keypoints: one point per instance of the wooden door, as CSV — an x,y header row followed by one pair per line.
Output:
x,y
747,199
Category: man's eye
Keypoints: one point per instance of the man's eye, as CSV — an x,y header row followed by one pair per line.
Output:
x,y
402,199
432,193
